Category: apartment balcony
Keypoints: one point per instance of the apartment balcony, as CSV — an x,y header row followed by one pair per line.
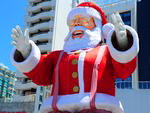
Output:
x,y
112,6
26,86
27,98
38,1
42,26
34,1
45,47
42,15
42,37
42,5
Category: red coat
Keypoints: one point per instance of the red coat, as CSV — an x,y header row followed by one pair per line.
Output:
x,y
43,73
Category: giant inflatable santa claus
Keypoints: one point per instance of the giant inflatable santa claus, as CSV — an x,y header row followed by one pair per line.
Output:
x,y
83,73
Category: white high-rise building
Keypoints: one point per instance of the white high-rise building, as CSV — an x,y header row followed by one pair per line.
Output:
x,y
40,21
47,26
46,21
25,89
7,83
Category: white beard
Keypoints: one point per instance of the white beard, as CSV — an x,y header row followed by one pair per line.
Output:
x,y
90,39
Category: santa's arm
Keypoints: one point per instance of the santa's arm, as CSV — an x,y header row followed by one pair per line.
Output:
x,y
27,59
36,66
123,61
123,42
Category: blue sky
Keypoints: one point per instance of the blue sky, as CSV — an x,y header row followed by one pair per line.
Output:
x,y
12,13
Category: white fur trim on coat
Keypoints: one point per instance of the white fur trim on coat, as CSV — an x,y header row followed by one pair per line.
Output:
x,y
128,55
78,102
81,71
85,11
30,62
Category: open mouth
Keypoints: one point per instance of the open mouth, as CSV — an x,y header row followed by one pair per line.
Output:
x,y
77,34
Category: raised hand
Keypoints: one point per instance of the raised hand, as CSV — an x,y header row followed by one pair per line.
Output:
x,y
120,30
21,41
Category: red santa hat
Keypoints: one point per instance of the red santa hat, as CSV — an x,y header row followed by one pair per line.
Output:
x,y
93,10
88,9
97,8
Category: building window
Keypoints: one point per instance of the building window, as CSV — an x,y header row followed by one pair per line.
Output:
x,y
42,10
41,20
41,89
33,90
36,3
27,80
39,106
144,84
124,84
28,92
44,52
39,32
126,17
40,98
41,42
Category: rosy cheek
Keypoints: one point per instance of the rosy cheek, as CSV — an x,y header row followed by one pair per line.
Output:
x,y
90,26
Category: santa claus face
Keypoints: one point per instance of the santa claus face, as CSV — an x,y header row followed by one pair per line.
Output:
x,y
82,36
79,20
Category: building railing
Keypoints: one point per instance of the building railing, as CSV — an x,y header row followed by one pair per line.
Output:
x,y
109,2
27,98
128,84
5,99
30,85
111,6
17,98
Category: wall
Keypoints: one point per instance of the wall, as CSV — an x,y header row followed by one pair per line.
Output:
x,y
143,27
60,24
27,107
135,101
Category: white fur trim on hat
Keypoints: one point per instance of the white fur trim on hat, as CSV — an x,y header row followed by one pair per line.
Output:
x,y
30,62
128,55
85,11
78,102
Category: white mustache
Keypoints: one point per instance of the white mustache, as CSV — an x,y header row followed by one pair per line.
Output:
x,y
74,29
86,31
78,28
89,40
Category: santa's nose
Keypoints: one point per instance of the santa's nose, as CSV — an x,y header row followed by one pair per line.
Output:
x,y
77,23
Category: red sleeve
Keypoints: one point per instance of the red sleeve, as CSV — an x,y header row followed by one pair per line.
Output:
x,y
42,74
123,70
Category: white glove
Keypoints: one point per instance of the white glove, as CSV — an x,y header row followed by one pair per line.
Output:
x,y
21,41
120,30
